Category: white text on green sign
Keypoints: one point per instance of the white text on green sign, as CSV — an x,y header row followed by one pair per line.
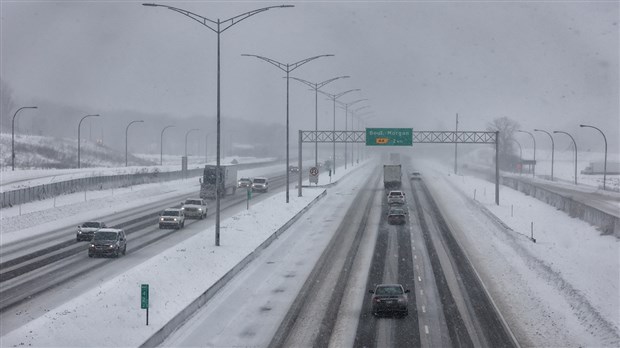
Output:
x,y
389,136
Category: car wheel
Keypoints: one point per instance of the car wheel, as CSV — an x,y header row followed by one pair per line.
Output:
x,y
90,255
125,249
116,253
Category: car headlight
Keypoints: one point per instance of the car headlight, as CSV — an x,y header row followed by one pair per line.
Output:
x,y
175,219
199,209
161,219
92,245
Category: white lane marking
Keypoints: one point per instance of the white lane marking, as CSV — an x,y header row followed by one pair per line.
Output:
x,y
415,257
419,279
421,292
423,309
417,267
426,329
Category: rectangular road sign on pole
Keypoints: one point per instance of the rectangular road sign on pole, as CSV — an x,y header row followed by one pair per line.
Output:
x,y
389,136
144,303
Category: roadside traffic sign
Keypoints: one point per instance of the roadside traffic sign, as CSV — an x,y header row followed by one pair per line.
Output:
x,y
314,171
144,301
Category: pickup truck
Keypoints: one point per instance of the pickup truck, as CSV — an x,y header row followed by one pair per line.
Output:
x,y
195,208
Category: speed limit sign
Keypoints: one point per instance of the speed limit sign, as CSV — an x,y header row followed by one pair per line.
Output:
x,y
314,175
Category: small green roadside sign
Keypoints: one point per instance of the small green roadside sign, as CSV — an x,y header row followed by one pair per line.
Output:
x,y
389,136
144,303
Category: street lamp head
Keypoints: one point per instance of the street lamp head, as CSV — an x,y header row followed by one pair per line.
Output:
x,y
151,4
285,6
582,125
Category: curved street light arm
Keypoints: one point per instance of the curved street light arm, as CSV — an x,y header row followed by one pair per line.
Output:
x,y
605,163
343,104
307,83
217,29
322,84
287,68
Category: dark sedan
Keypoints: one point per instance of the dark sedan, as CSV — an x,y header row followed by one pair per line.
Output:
x,y
397,216
389,298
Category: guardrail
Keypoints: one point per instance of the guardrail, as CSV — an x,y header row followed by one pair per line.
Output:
x,y
105,182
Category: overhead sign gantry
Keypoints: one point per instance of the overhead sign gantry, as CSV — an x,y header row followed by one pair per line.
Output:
x,y
402,137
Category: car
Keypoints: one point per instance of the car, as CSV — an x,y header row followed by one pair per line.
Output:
x,y
172,217
195,208
389,298
108,242
396,216
86,230
293,169
396,198
416,176
260,184
244,183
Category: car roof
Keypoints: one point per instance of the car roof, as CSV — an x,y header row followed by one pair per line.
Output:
x,y
172,209
116,230
388,285
396,191
260,177
193,199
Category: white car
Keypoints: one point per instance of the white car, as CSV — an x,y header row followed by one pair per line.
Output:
x,y
260,184
171,217
195,208
396,197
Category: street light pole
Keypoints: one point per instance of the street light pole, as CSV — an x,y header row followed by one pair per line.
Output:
x,y
186,134
126,131
334,97
346,116
316,87
533,139
79,141
161,145
605,164
13,134
287,68
520,156
575,144
552,148
218,27
354,114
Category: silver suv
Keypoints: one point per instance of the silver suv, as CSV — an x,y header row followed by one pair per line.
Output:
x,y
172,218
108,242
86,230
260,184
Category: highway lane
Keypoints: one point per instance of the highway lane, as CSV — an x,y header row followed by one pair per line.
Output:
x,y
279,301
23,293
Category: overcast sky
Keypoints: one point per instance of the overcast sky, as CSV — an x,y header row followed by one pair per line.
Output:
x,y
548,65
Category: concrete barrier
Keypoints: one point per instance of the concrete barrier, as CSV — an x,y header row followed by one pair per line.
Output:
x,y
606,223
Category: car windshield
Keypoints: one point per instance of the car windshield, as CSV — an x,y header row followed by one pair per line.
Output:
x,y
193,202
259,181
397,212
105,236
170,213
91,224
396,194
389,290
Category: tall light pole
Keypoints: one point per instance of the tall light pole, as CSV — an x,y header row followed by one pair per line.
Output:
x,y
334,97
552,148
126,131
218,27
316,87
520,156
354,114
161,145
456,130
533,139
186,134
287,68
79,140
345,106
605,164
13,134
575,144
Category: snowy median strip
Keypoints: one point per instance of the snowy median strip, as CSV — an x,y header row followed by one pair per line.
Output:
x,y
181,279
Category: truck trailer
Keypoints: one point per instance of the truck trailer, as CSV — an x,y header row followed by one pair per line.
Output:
x,y
613,168
227,180
392,176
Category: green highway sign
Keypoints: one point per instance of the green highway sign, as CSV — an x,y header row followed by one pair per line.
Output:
x,y
144,303
389,136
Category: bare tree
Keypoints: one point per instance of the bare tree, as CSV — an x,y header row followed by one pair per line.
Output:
x,y
506,127
7,105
